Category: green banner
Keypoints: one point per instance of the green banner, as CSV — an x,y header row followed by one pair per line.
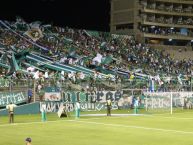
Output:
x,y
51,89
15,97
4,83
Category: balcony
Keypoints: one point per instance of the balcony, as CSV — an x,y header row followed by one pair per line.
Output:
x,y
169,36
176,1
172,13
144,22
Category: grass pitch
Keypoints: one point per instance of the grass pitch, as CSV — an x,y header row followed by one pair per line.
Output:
x,y
160,129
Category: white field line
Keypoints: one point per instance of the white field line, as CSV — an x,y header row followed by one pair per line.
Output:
x,y
136,127
168,113
161,116
40,122
86,121
169,117
105,124
181,118
101,117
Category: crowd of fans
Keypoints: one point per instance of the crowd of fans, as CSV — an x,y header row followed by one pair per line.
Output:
x,y
100,50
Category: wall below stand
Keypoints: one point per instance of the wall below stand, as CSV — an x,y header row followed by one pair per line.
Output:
x,y
32,108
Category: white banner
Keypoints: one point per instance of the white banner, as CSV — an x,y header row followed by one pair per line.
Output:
x,y
52,96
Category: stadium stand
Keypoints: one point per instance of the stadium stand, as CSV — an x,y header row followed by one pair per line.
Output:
x,y
41,52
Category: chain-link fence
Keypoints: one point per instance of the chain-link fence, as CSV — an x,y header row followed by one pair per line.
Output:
x,y
37,86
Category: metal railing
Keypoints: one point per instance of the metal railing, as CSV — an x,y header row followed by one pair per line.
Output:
x,y
90,83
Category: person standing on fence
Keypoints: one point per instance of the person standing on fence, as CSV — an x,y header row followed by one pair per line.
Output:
x,y
109,106
10,108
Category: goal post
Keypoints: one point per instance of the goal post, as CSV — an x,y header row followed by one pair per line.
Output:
x,y
171,103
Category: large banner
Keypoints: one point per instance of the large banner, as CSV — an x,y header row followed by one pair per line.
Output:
x,y
92,97
95,101
54,106
4,83
53,94
15,97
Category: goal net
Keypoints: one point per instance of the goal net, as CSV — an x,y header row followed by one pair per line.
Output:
x,y
167,102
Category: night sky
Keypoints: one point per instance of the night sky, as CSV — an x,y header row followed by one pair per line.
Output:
x,y
85,14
